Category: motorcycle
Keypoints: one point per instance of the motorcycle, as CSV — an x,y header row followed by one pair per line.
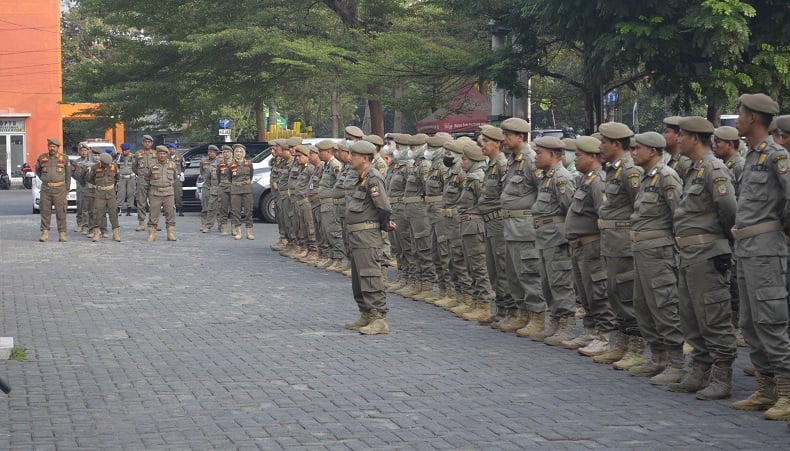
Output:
x,y
5,180
27,176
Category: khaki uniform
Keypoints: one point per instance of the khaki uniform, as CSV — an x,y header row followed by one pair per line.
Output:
x,y
330,223
223,177
416,224
705,212
381,165
762,263
367,213
680,164
143,160
655,259
297,196
735,165
89,195
55,174
473,234
178,190
274,180
453,188
104,177
304,210
240,192
339,201
83,220
160,180
584,238
396,187
623,180
209,193
127,181
286,207
434,201
490,207
315,206
555,194
522,258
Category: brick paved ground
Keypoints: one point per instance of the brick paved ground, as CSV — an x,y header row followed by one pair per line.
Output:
x,y
211,343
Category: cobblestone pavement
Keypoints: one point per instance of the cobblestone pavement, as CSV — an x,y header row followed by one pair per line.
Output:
x,y
211,343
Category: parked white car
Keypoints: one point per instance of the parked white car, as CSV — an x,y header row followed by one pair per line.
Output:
x,y
36,190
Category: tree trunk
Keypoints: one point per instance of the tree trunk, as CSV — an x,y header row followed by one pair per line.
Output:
x,y
335,114
272,114
397,120
259,121
376,110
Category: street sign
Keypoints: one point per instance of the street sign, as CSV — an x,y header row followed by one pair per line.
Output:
x,y
224,132
225,123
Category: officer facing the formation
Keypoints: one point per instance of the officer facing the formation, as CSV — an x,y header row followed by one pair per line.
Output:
x,y
160,180
210,190
127,182
104,176
143,161
178,189
54,170
241,192
761,224
703,219
367,214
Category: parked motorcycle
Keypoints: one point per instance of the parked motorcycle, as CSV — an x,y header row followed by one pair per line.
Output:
x,y
27,176
5,180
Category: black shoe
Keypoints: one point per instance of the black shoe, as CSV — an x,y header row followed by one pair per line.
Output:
x,y
128,211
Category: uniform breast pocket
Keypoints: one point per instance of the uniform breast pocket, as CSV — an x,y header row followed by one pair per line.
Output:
x,y
754,188
544,197
515,185
647,202
577,205
411,178
612,189
695,189
357,201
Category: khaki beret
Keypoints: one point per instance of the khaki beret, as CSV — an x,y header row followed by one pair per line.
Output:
x,y
615,130
438,140
54,141
302,150
402,139
375,139
454,146
515,124
148,137
492,132
213,147
672,120
760,103
326,144
312,149
588,144
651,139
293,141
226,147
158,149
727,133
569,144
341,146
356,132
97,150
696,124
443,135
237,145
597,136
550,142
363,147
772,126
418,139
783,123
473,152
82,145
632,142
105,158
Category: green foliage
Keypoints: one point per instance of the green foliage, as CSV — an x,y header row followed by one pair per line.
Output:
x,y
19,353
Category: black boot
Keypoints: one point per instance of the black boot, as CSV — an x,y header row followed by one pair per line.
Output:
x,y
180,212
128,211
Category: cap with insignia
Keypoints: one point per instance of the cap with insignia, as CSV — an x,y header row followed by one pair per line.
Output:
x,y
494,133
438,140
550,142
126,146
312,149
454,146
84,145
727,133
783,123
375,139
588,144
473,152
760,103
341,146
148,137
353,130
302,150
615,130
158,149
105,158
696,124
515,125
293,141
326,144
651,139
363,147
54,141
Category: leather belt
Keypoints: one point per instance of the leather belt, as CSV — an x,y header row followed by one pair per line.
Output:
x,y
757,229
313,197
55,184
467,217
491,215
224,182
447,212
367,225
516,213
540,222
582,241
412,200
303,202
614,224
126,176
241,183
339,201
105,188
705,238
432,199
649,235
327,201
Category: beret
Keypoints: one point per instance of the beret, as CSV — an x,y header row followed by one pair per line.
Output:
x,y
97,150
515,124
492,132
760,103
126,146
53,141
672,120
438,140
375,139
443,135
293,141
158,149
236,146
550,142
615,130
326,144
772,126
312,149
783,122
82,145
302,150
341,146
696,124
172,146
632,142
473,152
363,147
651,139
569,144
597,136
727,133
588,144
211,147
226,147
454,146
105,158
354,131
148,137
402,139
418,139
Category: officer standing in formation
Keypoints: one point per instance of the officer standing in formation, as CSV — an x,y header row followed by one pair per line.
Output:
x,y
54,170
78,168
240,172
178,190
127,182
141,167
210,191
224,183
162,174
104,176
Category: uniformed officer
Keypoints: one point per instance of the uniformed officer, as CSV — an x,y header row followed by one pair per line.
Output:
x,y
208,202
77,173
297,188
623,180
339,201
655,262
584,238
315,207
330,225
104,176
434,201
703,219
276,163
160,180
89,193
240,192
178,190
349,182
555,194
399,238
382,166
367,213
303,205
762,222
54,170
127,182
224,181
674,158
142,168
283,184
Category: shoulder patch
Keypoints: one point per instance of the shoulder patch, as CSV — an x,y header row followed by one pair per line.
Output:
x,y
721,186
374,191
633,181
780,161
669,192
562,187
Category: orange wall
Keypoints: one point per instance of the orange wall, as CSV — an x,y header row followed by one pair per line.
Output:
x,y
30,69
